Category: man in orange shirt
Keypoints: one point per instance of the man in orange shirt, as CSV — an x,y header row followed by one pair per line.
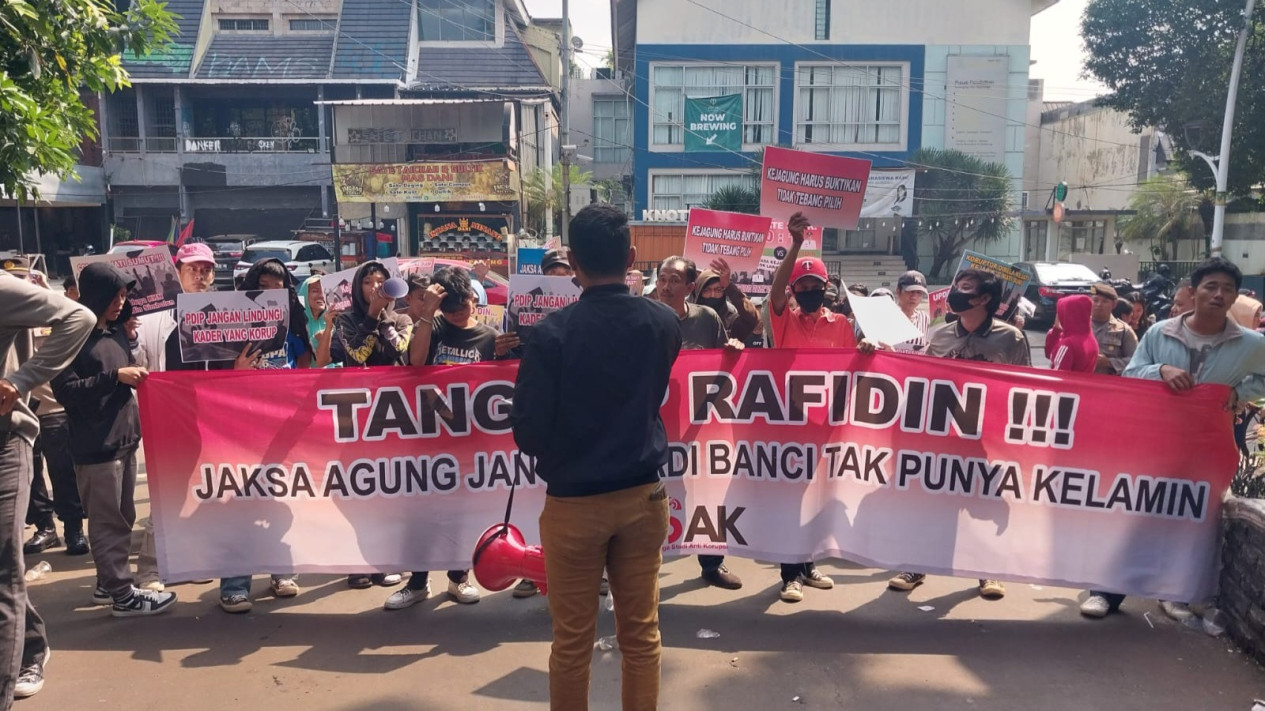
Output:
x,y
804,323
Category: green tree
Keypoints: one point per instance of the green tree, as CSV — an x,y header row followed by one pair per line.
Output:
x,y
1167,64
541,198
735,198
50,50
960,200
1166,212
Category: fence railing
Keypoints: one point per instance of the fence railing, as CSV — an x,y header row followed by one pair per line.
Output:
x,y
132,144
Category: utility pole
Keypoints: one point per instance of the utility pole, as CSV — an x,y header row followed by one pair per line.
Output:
x,y
1220,164
564,123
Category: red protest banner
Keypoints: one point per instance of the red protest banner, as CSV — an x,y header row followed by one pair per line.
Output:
x,y
899,461
734,237
829,190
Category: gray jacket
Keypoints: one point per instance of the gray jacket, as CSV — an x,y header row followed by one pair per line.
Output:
x,y
25,307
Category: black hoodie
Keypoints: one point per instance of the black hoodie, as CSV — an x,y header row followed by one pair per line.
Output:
x,y
360,339
298,314
102,412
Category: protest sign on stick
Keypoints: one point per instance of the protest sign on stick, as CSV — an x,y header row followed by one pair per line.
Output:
x,y
157,283
829,190
219,325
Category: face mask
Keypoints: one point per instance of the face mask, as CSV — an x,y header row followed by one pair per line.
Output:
x,y
717,305
960,301
810,301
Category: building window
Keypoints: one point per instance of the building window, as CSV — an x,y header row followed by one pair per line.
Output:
x,y
457,20
1035,235
863,239
821,19
123,128
673,84
228,24
313,25
683,191
1089,236
612,131
160,120
849,105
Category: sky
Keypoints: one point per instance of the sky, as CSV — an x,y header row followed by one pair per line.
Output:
x,y
1056,44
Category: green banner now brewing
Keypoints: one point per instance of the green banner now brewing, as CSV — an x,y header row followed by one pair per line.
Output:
x,y
714,124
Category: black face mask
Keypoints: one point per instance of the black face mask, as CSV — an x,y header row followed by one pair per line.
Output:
x,y
960,301
810,301
717,305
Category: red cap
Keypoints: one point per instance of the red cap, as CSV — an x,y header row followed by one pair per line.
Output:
x,y
809,267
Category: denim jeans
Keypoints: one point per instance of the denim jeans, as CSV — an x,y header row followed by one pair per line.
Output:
x,y
623,532
22,638
240,585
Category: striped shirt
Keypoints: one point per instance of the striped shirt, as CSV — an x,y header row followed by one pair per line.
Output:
x,y
922,321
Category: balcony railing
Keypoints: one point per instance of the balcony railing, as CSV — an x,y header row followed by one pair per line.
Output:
x,y
268,144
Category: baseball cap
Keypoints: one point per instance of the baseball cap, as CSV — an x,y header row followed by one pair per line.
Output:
x,y
195,252
1104,289
809,267
912,281
16,265
883,291
554,257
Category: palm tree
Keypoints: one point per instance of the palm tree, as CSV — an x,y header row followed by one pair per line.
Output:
x,y
540,199
1166,210
961,200
735,198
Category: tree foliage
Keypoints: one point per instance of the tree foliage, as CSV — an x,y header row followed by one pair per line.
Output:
x,y
735,198
1166,212
961,200
50,50
542,197
1167,64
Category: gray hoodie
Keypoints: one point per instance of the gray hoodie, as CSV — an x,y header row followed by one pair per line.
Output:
x,y
27,306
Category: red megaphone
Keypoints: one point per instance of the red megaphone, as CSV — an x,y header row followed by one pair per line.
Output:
x,y
503,557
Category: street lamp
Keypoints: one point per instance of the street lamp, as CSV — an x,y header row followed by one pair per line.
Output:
x,y
1220,163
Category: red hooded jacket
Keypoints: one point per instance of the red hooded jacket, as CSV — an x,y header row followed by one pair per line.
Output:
x,y
1071,345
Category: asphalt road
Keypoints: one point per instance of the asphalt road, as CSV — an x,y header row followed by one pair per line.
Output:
x,y
855,647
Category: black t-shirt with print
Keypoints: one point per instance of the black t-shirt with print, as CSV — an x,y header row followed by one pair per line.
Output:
x,y
450,345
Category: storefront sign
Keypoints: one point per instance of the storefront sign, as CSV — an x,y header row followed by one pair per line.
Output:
x,y
463,181
401,135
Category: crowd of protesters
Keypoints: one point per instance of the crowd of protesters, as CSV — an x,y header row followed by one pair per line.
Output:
x,y
68,405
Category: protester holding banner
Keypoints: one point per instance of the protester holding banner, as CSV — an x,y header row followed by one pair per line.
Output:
x,y
22,369
1204,346
296,351
371,332
320,322
599,442
1070,344
97,392
976,334
1116,341
804,324
715,289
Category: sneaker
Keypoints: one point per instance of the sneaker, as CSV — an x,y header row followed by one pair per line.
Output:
x,y
792,591
386,580
359,582
407,597
906,581
814,579
142,603
76,544
153,586
992,589
525,588
43,539
605,588
722,578
31,678
101,597
285,587
1179,611
463,592
1095,606
235,603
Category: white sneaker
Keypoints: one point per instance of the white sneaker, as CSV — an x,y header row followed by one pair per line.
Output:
x,y
1179,611
464,592
1095,606
143,603
406,597
101,597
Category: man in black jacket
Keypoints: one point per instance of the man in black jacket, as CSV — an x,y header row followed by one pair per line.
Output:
x,y
586,405
97,392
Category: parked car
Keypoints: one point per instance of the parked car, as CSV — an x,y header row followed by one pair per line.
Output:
x,y
228,249
129,245
1052,281
299,257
